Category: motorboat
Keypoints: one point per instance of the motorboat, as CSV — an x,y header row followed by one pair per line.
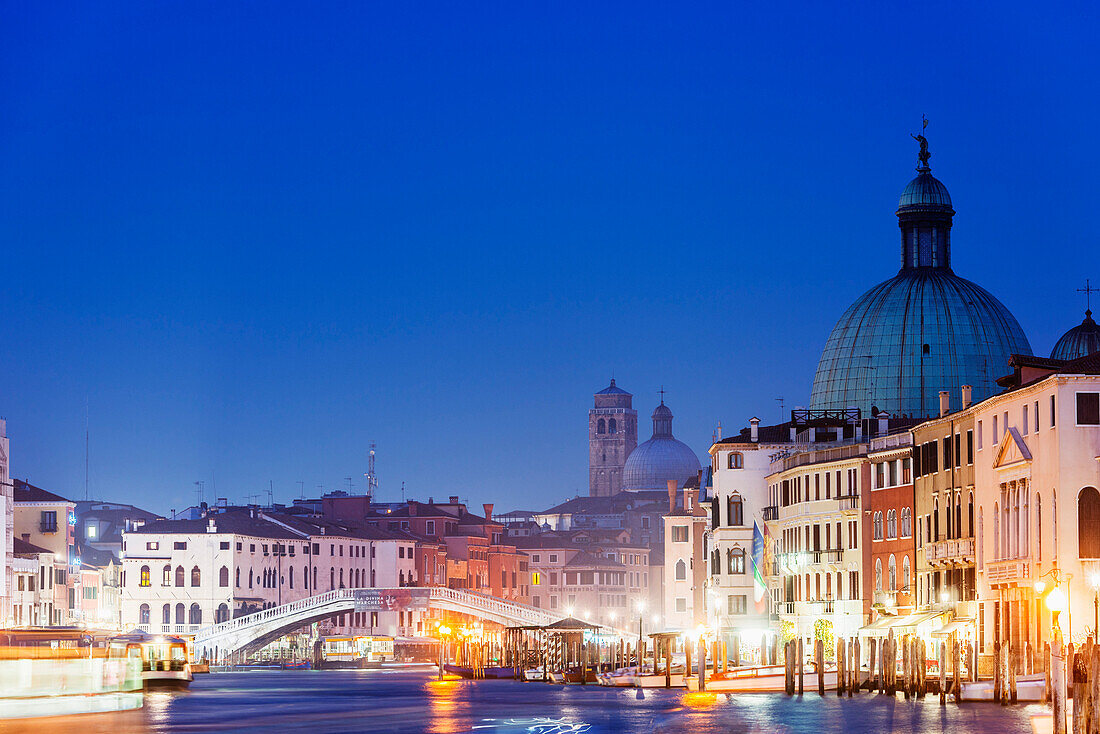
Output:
x,y
620,678
537,674
163,658
1028,688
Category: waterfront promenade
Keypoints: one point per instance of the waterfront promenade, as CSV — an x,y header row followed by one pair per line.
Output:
x,y
414,701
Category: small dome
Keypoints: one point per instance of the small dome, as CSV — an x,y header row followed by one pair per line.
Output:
x,y
925,190
1080,341
661,458
612,389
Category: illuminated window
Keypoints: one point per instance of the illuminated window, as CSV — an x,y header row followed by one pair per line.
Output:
x,y
536,578
736,460
144,581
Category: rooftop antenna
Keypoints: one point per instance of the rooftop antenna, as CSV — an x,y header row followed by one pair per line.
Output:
x,y
301,489
1088,290
199,486
270,493
372,478
402,491
782,413
348,480
87,442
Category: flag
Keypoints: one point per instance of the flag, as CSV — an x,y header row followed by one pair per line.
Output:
x,y
759,587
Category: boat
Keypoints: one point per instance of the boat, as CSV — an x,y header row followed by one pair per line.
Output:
x,y
758,679
1028,688
650,679
358,652
298,665
49,672
620,678
535,674
489,671
580,675
163,658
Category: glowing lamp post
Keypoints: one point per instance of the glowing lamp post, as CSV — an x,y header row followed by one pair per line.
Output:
x,y
1056,603
641,610
1094,582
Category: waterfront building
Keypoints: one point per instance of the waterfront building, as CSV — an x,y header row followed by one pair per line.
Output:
x,y
685,558
924,330
612,436
1036,479
33,571
944,495
179,575
48,520
593,574
888,533
99,525
7,531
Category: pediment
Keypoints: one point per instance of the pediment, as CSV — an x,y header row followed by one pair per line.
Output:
x,y
1012,450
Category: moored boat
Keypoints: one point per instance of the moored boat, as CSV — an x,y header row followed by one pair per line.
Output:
x,y
757,679
163,658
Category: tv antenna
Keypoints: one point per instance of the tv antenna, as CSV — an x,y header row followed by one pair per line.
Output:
x,y
781,411
372,478
199,485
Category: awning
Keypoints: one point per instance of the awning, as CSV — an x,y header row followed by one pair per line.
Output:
x,y
881,625
952,627
917,618
898,624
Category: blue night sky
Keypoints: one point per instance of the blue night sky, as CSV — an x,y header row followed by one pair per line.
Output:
x,y
252,240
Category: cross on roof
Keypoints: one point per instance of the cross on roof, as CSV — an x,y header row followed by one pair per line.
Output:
x,y
1088,290
662,394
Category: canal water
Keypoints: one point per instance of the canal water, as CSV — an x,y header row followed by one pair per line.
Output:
x,y
397,701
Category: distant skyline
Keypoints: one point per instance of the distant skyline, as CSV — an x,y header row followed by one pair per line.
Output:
x,y
253,241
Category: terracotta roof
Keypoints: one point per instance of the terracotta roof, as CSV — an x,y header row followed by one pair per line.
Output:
x,y
24,492
21,547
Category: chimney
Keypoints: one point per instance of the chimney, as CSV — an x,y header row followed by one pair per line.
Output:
x,y
488,506
26,537
754,429
967,395
719,430
671,496
691,495
453,499
211,526
883,422
945,403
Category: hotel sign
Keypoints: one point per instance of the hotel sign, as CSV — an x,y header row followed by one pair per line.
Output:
x,y
391,600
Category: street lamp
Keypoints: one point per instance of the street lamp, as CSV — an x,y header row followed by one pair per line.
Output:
x,y
1094,582
640,604
1057,603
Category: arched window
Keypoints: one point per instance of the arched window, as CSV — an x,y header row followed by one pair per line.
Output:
x,y
734,510
996,532
893,571
180,612
331,579
166,614
143,614
906,522
196,576
223,576
970,514
611,425
179,577
196,614
601,427
949,517
891,523
290,573
878,574
1039,526
958,516
935,521
1088,523
715,562
736,460
877,526
144,579
737,561
250,578
981,538
681,570
166,576
905,573
237,574
222,615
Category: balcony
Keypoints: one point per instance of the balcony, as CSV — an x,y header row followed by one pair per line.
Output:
x,y
960,550
826,556
784,607
1008,573
771,512
849,504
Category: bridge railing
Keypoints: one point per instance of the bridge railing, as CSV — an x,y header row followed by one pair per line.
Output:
x,y
478,602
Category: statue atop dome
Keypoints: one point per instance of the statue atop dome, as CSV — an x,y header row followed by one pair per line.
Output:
x,y
924,155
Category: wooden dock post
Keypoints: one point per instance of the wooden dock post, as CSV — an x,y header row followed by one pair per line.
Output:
x,y
905,669
702,665
687,660
1012,673
736,649
997,683
839,666
956,680
763,649
668,662
858,666
890,664
788,668
943,673
819,664
1094,690
801,660
871,664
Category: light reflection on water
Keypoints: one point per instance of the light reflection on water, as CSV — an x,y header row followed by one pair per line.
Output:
x,y
319,702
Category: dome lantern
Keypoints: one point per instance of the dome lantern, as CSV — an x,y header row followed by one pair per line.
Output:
x,y
924,217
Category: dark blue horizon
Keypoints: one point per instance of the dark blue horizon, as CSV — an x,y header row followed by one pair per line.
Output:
x,y
250,241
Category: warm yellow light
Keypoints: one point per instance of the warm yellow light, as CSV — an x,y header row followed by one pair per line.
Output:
x,y
1094,580
1056,600
569,611
1040,586
656,619
641,606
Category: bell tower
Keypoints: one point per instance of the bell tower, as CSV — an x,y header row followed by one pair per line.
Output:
x,y
612,435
